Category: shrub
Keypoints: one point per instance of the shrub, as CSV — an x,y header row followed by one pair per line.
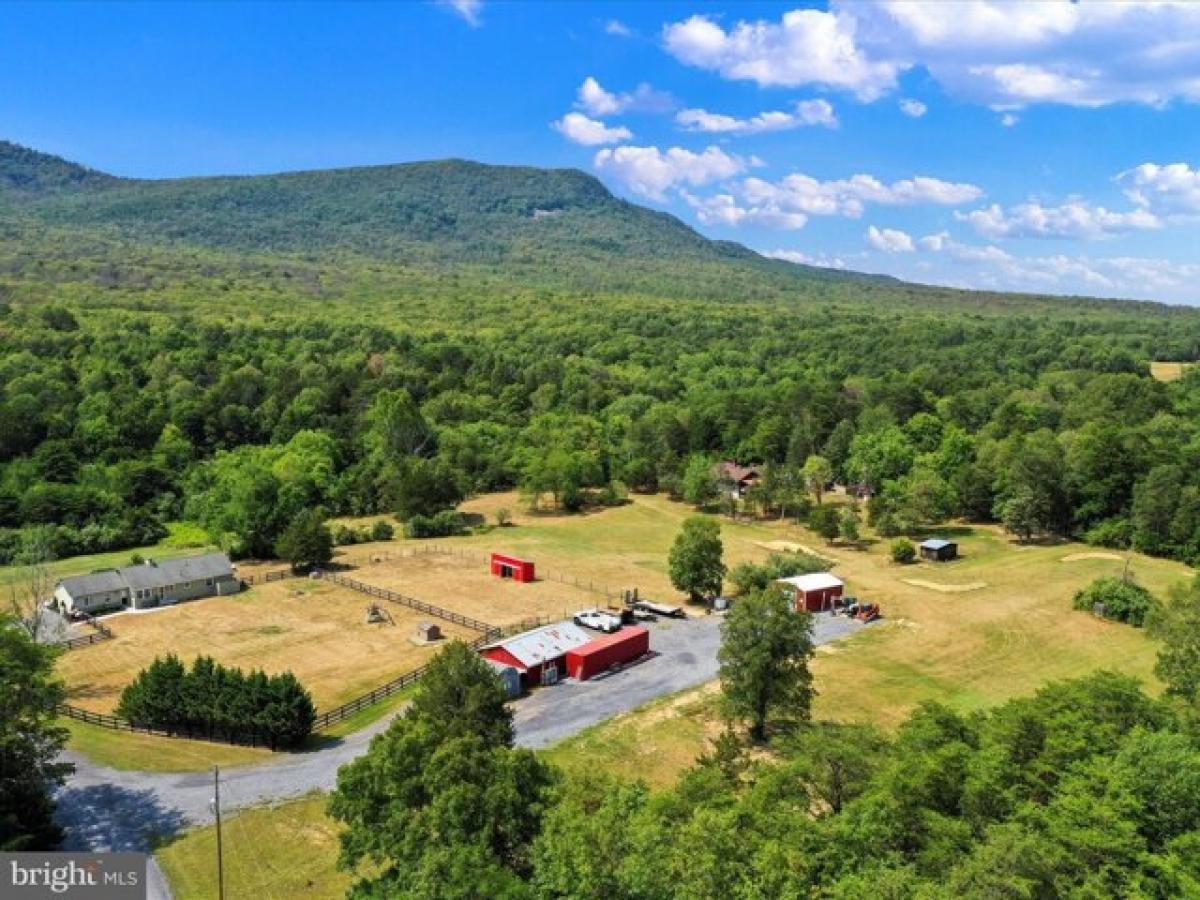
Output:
x,y
218,702
1123,600
903,551
1110,533
447,523
749,577
825,521
503,516
382,531
343,535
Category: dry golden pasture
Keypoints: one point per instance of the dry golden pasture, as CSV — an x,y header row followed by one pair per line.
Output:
x,y
466,586
316,629
1169,371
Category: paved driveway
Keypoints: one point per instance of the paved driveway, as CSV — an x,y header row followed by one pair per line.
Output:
x,y
108,809
685,655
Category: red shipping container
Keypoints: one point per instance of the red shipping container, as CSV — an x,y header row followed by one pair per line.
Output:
x,y
512,567
611,650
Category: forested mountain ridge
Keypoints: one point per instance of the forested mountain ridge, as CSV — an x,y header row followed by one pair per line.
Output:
x,y
375,210
232,351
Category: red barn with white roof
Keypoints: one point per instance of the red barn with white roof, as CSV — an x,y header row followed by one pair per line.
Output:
x,y
813,593
539,655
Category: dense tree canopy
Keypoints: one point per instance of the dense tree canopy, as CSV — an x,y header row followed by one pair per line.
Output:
x,y
30,741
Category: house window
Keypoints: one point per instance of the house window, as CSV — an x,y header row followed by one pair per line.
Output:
x,y
209,582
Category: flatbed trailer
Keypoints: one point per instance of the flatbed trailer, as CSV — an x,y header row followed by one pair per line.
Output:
x,y
660,609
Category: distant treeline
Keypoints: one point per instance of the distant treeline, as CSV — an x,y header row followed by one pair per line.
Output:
x,y
214,701
113,423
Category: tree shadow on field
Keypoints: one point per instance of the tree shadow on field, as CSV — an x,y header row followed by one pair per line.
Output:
x,y
108,817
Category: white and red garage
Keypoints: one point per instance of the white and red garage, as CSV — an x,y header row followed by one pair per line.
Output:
x,y
815,592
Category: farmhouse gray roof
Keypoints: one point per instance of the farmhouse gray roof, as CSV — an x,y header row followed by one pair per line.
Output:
x,y
95,583
151,575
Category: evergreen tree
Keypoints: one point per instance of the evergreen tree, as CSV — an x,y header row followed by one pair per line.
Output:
x,y
306,542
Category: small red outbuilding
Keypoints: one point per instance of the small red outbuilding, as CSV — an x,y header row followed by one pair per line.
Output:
x,y
512,567
602,654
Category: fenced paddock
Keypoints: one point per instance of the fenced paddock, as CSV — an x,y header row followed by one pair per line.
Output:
x,y
459,580
315,628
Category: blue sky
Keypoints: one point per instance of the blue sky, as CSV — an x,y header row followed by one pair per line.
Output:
x,y
1042,146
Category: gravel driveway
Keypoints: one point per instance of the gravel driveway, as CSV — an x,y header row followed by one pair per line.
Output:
x,y
109,809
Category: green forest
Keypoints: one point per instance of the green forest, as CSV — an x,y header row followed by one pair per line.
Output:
x,y
234,351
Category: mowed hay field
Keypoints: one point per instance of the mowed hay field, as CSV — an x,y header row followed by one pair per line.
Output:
x,y
316,629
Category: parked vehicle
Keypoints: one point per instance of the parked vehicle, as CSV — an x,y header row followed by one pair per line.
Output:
x,y
600,621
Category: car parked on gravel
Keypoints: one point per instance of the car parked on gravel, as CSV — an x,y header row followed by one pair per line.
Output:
x,y
600,621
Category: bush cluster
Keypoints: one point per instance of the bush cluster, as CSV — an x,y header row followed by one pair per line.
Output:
x,y
1123,600
749,577
219,702
903,551
447,523
380,530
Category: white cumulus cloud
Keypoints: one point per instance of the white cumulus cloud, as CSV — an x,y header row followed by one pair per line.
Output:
x,y
807,46
988,266
467,10
1169,190
789,202
889,240
821,260
805,112
617,28
650,171
999,53
913,108
1073,219
593,99
590,132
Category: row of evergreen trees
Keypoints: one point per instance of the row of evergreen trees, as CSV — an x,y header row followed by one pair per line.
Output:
x,y
219,702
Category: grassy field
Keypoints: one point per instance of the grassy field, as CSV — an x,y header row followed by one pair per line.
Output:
x,y
285,851
147,753
316,629
466,586
994,624
1169,371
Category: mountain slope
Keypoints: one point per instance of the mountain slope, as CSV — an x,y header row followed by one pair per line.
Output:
x,y
452,210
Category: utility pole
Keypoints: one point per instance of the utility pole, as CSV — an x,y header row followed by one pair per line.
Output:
x,y
216,805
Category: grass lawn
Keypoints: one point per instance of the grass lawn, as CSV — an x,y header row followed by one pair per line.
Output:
x,y
147,753
654,742
314,628
285,851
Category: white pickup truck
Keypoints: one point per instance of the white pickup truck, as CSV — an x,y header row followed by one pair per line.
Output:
x,y
601,621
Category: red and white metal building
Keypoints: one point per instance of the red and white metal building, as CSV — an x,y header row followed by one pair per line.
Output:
x,y
813,593
539,655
